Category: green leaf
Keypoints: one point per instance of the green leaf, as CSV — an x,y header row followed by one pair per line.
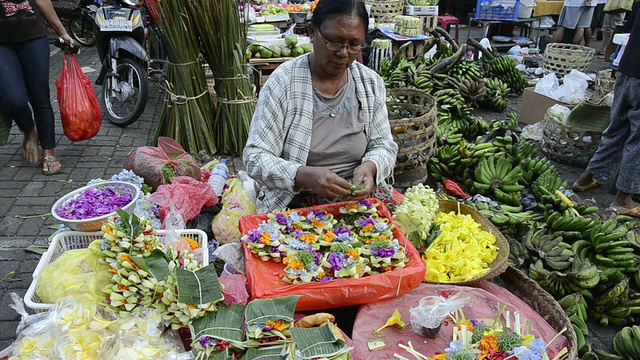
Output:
x,y
226,324
317,342
266,353
198,287
126,222
156,264
282,308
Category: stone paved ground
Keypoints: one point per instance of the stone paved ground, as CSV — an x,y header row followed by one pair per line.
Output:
x,y
26,196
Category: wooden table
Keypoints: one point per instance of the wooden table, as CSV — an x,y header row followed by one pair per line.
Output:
x,y
548,8
263,69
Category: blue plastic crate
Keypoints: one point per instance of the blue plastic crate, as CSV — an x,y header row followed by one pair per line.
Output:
x,y
506,10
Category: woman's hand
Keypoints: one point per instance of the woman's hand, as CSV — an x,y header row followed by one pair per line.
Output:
x,y
67,39
322,181
364,174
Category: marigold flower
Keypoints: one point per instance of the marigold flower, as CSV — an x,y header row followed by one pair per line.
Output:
x,y
486,344
265,238
278,325
368,228
351,206
353,253
308,238
316,223
328,236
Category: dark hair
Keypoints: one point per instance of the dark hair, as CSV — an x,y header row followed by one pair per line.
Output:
x,y
329,8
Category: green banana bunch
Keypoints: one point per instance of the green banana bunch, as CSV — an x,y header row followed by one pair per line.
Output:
x,y
466,70
473,91
492,173
547,184
534,167
575,306
496,96
504,68
518,253
627,342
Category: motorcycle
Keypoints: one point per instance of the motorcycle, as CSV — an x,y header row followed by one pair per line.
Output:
x,y
122,39
81,22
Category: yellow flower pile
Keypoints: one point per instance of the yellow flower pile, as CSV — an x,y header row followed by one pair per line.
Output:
x,y
462,251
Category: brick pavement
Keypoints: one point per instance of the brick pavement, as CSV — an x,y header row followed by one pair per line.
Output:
x,y
26,193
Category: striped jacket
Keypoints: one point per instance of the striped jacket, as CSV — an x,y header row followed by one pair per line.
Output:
x,y
280,132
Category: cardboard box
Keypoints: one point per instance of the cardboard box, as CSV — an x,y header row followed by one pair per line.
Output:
x,y
535,106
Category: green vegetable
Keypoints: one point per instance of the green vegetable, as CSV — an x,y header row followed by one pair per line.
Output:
x,y
168,172
291,40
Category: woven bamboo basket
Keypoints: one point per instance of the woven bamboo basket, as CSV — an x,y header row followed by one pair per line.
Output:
x,y
562,58
383,11
542,302
605,82
500,264
568,144
412,116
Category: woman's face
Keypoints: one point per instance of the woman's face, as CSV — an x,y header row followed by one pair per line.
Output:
x,y
330,43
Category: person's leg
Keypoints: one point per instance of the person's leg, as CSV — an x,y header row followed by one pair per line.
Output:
x,y
15,101
584,15
34,56
587,36
568,19
629,175
613,138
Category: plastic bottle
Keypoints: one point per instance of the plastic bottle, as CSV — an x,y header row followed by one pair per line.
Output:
x,y
219,176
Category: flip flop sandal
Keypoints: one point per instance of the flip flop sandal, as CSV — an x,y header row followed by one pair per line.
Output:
x,y
594,183
634,211
51,165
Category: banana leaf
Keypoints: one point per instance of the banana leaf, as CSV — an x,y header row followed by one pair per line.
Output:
x,y
266,353
198,287
156,264
317,342
270,320
225,324
263,310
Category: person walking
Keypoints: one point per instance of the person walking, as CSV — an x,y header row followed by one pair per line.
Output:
x,y
620,143
24,75
575,15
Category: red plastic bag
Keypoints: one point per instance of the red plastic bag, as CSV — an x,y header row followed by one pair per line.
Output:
x,y
186,194
79,108
265,277
149,161
234,289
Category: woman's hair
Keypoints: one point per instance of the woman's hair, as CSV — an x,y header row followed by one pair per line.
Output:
x,y
328,8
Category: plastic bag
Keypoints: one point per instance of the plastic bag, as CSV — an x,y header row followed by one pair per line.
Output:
x,y
80,111
618,6
265,277
234,289
75,273
573,88
235,204
559,113
432,310
548,85
172,223
187,194
159,164
232,254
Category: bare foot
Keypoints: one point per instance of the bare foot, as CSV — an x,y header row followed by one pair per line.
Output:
x,y
30,148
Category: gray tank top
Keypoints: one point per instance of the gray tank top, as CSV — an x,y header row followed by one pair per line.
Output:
x,y
338,141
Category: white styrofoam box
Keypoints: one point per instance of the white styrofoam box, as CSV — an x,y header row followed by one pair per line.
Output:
x,y
277,17
420,10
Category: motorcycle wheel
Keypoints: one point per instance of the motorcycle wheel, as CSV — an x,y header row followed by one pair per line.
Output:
x,y
81,30
125,94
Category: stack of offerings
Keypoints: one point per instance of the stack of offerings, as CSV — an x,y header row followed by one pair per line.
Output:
x,y
407,25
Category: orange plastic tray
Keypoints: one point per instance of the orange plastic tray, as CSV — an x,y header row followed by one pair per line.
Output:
x,y
265,277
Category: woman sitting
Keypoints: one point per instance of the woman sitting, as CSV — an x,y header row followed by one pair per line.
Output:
x,y
320,131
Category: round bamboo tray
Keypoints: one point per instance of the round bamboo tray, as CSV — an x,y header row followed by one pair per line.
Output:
x,y
383,11
568,144
562,58
542,302
500,264
413,121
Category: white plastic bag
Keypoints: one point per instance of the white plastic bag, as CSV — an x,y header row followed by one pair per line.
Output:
x,y
548,85
560,113
432,310
573,88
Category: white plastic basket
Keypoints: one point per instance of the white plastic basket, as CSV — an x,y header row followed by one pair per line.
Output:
x,y
71,240
95,224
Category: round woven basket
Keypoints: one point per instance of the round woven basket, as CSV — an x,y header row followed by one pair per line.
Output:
x,y
412,116
605,82
542,302
568,144
383,11
562,58
500,264
95,224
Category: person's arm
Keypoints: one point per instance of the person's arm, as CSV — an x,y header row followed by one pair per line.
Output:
x,y
49,14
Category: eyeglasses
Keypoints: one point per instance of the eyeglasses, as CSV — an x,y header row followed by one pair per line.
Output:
x,y
336,46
